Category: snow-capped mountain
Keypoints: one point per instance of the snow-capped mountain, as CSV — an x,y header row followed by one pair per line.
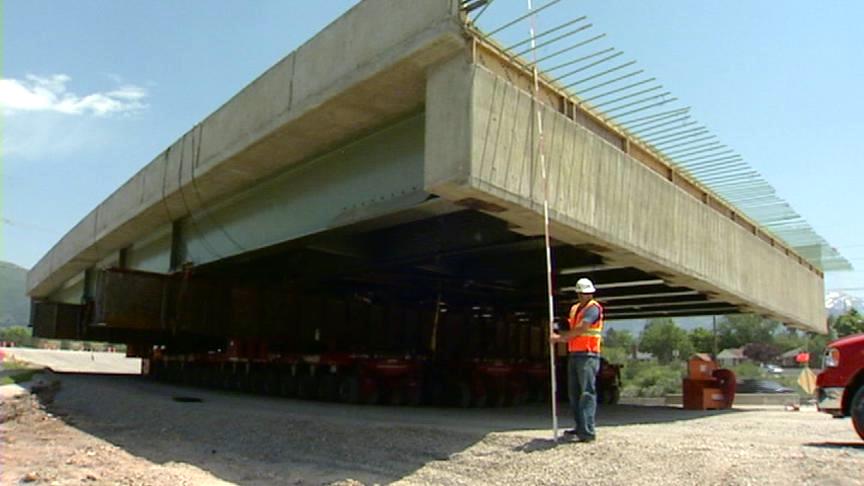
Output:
x,y
839,303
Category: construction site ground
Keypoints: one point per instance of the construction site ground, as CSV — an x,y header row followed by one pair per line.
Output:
x,y
112,429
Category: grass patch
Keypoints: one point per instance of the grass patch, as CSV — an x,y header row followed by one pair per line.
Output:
x,y
11,364
18,377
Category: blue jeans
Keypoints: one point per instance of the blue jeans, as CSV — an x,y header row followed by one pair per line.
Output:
x,y
582,371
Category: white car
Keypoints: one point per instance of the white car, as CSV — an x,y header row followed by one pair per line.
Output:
x,y
773,369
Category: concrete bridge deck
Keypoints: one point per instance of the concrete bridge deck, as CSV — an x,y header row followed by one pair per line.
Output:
x,y
395,140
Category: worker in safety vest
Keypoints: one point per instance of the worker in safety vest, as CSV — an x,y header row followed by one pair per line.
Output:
x,y
583,360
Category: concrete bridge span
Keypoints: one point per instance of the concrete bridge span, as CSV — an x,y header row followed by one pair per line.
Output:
x,y
395,154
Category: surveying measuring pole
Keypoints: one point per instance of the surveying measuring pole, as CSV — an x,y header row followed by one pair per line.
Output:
x,y
542,156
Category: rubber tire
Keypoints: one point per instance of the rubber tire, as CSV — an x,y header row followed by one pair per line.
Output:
x,y
328,387
463,398
272,386
396,396
856,410
371,397
604,396
288,385
307,387
349,390
413,396
616,396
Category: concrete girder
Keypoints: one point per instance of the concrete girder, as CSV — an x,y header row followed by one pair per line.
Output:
x,y
365,70
481,145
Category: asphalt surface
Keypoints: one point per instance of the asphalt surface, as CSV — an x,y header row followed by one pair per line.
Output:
x,y
76,361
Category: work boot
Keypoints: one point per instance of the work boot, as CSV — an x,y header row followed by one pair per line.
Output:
x,y
574,436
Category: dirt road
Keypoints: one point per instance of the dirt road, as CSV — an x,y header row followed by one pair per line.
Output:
x,y
259,440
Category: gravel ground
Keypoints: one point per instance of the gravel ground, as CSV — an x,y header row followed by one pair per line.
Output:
x,y
38,448
260,440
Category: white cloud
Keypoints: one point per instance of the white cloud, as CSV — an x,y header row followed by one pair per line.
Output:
x,y
50,94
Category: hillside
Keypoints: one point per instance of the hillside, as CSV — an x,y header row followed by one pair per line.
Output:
x,y
14,305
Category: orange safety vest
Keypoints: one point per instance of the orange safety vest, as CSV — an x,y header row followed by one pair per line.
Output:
x,y
589,340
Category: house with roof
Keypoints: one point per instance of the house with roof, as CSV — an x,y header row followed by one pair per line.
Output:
x,y
731,357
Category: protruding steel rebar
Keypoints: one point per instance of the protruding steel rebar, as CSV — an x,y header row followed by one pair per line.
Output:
x,y
652,129
618,90
482,11
719,170
637,102
550,31
729,177
589,66
574,61
702,159
570,48
709,160
664,102
601,74
714,146
470,6
708,147
739,185
555,39
669,133
653,118
664,147
612,81
522,17
683,137
631,95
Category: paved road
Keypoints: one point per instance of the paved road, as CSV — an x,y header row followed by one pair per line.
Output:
x,y
76,361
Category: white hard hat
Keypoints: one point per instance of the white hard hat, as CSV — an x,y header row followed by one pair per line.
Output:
x,y
585,286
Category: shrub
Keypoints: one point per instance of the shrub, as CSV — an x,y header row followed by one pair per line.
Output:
x,y
747,370
647,379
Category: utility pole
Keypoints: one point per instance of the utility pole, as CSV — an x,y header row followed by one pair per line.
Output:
x,y
714,347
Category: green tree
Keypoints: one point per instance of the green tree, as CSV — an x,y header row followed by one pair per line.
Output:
x,y
19,334
619,339
738,330
702,339
789,339
762,352
665,340
616,355
852,322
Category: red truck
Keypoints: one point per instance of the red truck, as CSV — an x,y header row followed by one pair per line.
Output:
x,y
841,384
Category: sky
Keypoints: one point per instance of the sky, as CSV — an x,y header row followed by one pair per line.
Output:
x,y
93,91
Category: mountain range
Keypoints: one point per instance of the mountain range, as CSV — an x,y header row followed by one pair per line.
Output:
x,y
14,304
837,303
